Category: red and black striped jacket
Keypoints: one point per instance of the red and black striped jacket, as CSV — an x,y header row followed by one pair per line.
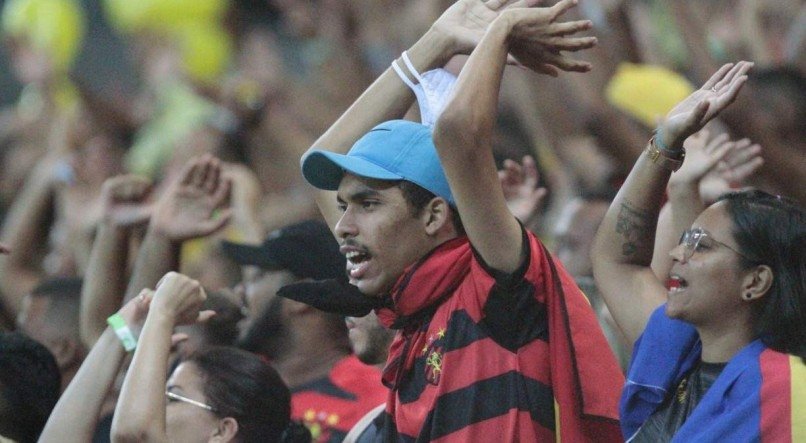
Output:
x,y
484,356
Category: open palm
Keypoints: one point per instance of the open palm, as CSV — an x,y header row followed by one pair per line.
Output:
x,y
691,114
467,20
196,205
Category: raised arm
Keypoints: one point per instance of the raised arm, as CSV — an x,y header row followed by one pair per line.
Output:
x,y
712,165
140,411
623,247
23,232
456,31
194,206
464,131
75,416
123,200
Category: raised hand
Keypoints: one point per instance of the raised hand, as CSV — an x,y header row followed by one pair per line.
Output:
x,y
180,298
196,205
519,183
691,114
739,164
702,156
123,200
538,39
466,21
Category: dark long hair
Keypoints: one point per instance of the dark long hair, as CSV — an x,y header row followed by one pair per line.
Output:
x,y
240,385
771,230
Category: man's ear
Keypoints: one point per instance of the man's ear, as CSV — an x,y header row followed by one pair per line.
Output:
x,y
757,283
226,431
436,215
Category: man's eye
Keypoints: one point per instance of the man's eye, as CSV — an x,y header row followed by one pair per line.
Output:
x,y
342,207
369,204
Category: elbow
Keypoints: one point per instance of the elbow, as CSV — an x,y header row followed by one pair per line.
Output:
x,y
457,129
125,430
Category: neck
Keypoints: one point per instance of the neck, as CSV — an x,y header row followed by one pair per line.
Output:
x,y
311,351
720,345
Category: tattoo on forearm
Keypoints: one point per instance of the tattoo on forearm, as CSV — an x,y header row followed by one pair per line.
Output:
x,y
635,225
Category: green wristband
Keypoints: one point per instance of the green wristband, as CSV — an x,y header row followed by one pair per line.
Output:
x,y
122,331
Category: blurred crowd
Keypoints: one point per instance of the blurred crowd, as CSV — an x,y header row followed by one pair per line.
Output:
x,y
102,192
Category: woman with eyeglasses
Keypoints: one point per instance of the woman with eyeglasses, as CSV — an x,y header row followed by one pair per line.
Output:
x,y
218,394
720,346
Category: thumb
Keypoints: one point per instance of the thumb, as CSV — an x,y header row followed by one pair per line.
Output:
x,y
205,315
178,338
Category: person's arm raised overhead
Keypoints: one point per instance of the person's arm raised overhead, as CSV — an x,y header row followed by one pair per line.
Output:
x,y
76,415
124,207
622,251
457,31
140,411
464,131
195,205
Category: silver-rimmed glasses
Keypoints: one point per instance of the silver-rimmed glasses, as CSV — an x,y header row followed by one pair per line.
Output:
x,y
174,396
692,238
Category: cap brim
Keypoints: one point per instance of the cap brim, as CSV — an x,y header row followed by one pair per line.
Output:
x,y
332,296
325,170
248,255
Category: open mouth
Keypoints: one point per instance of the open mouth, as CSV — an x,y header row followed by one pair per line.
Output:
x,y
676,284
357,262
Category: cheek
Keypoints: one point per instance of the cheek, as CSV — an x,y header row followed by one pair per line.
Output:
x,y
185,425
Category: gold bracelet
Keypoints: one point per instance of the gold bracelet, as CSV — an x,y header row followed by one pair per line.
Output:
x,y
659,158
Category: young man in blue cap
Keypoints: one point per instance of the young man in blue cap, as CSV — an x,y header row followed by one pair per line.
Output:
x,y
494,338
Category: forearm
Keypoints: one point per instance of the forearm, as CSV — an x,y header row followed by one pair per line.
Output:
x,y
157,256
140,411
627,233
463,137
386,99
22,232
104,281
75,416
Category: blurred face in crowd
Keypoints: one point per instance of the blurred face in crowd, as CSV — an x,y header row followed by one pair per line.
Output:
x,y
706,288
369,339
574,234
378,233
260,291
184,421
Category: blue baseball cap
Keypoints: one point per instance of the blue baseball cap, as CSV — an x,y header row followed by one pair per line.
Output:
x,y
393,150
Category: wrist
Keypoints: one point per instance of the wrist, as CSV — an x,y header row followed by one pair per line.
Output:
x,y
433,50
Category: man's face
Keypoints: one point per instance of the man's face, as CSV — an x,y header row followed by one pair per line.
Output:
x,y
260,289
369,339
378,233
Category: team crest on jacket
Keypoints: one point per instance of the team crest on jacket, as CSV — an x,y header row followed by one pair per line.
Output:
x,y
433,352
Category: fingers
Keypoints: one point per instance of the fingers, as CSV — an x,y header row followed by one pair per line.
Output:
x,y
716,142
561,8
213,176
221,193
178,338
214,225
717,76
205,316
567,64
530,176
567,43
519,4
568,28
738,70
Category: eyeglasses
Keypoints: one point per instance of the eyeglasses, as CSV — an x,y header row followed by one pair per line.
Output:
x,y
177,397
692,238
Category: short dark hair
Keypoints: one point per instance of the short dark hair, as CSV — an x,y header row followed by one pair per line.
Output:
x,y
771,230
222,329
417,197
240,385
30,384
